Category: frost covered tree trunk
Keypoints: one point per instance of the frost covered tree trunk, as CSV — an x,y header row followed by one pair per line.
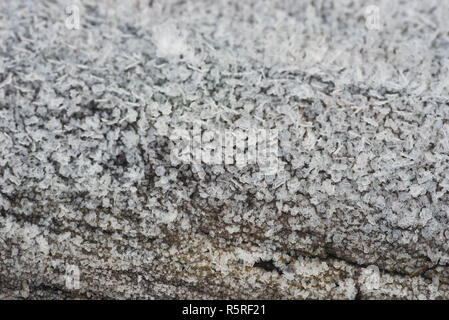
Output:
x,y
101,191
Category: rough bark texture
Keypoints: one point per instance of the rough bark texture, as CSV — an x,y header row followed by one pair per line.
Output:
x,y
357,208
